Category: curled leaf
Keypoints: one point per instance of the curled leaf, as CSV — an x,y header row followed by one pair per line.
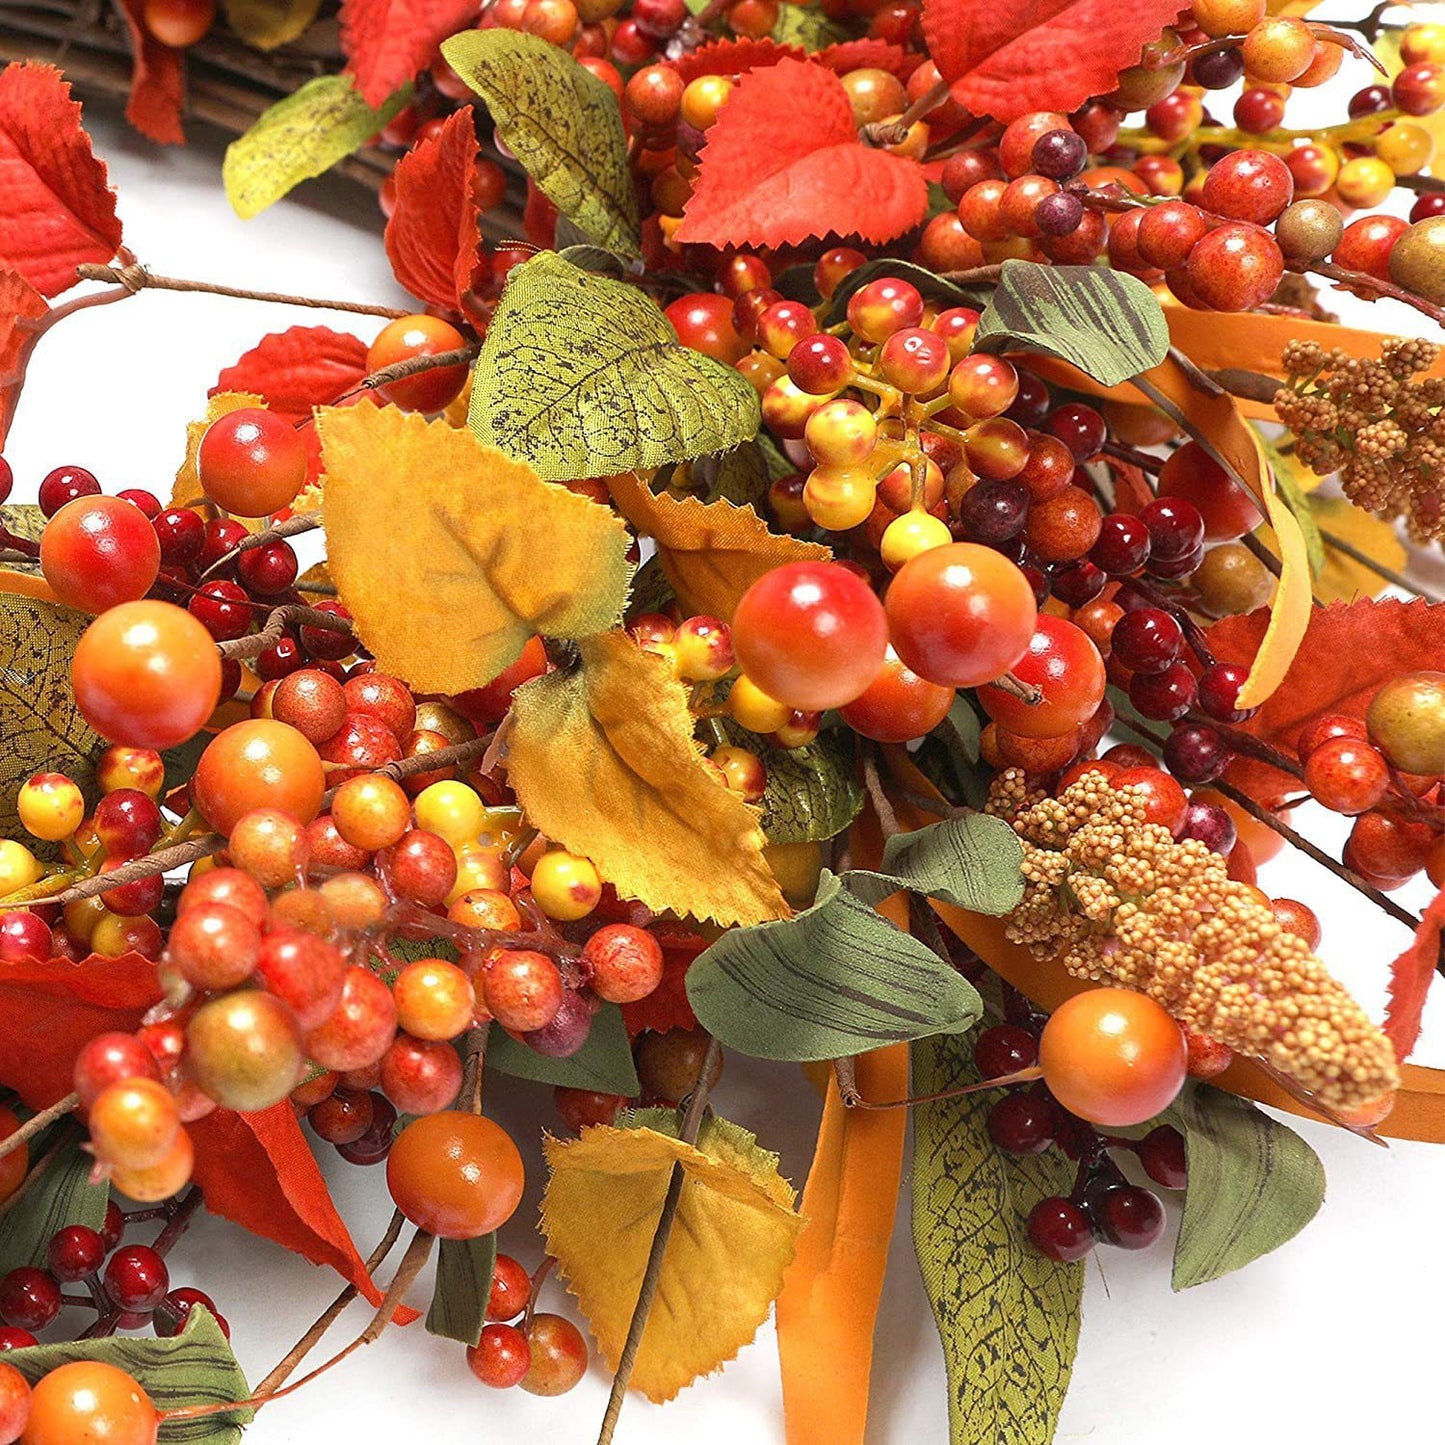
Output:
x,y
733,1240
295,370
602,759
157,80
388,41
463,1287
1410,977
424,523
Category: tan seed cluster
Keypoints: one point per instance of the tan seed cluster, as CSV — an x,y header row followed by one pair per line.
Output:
x,y
1117,900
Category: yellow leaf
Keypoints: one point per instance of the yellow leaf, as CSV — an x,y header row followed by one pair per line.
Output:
x,y
602,759
1342,579
711,552
187,490
451,555
732,1240
267,24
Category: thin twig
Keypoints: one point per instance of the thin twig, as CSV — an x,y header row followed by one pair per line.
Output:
x,y
291,527
253,644
32,1126
1373,288
1378,568
887,818
135,277
845,1073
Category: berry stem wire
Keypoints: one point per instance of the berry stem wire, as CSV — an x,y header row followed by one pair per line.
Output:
x,y
291,527
691,1123
37,1122
845,1073
412,366
253,644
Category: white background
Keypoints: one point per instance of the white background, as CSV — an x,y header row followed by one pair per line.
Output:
x,y
1334,1338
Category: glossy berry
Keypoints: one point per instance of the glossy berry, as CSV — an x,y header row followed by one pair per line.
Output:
x,y
511,1289
406,339
559,1356
86,1401
1060,1230
1023,1123
1196,754
63,485
1127,1216
97,552
1165,695
1346,775
1161,1153
1147,640
29,1298
1122,547
455,1175
501,1358
1004,1049
175,1309
1064,665
136,1278
251,462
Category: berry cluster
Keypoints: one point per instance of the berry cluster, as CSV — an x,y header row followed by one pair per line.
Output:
x,y
543,1353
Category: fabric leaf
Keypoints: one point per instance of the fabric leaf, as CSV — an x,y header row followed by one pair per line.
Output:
x,y
603,761
295,370
732,57
563,125
423,523
434,236
973,862
1014,56
733,1238
463,1286
711,552
1253,1185
813,792
1410,978
62,1195
1341,578
195,1367
1107,324
1008,1318
300,137
267,24
838,979
783,163
20,303
388,41
603,1064
57,209
582,376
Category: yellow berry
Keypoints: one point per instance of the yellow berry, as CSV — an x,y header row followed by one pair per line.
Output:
x,y
839,498
906,536
451,810
50,806
1405,148
743,772
704,98
565,886
82,915
477,867
754,709
1421,44
1364,182
19,867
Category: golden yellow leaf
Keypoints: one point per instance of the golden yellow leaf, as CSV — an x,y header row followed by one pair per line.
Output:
x,y
1342,579
711,552
602,759
451,555
733,1238
187,490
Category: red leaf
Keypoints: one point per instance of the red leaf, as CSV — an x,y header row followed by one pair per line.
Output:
x,y
157,81
49,1011
867,54
1410,976
783,163
1013,56
56,209
733,57
434,235
388,41
296,370
666,1007
258,1171
19,302
1349,650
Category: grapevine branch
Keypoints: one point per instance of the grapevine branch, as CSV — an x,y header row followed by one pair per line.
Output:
x,y
253,644
33,1126
291,527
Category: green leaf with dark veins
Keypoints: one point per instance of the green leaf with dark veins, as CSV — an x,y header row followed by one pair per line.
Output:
x,y
740,476
973,862
807,26
651,591
1109,325
582,376
603,1064
62,1195
195,1367
463,1285
834,980
1007,1317
563,125
1253,1184
300,137
813,792
594,258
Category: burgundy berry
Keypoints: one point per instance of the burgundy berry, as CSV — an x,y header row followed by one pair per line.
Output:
x,y
1219,686
1023,1123
1196,754
268,570
64,485
182,535
1128,1216
113,1229
15,1339
1176,527
1164,696
29,1298
1123,545
1146,640
1078,583
136,1279
1209,824
1004,1049
375,1144
994,512
1161,1153
175,1309
1060,1230
75,1253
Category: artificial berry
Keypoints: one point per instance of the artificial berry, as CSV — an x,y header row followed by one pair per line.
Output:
x,y
1060,1230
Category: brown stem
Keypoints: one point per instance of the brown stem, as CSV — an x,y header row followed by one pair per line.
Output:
x,y
895,132
255,643
691,1124
474,1050
1251,746
32,1126
134,277
1251,385
1372,288
1146,461
887,818
852,1099
1378,568
1026,692
179,1221
291,527
161,861
975,276
458,753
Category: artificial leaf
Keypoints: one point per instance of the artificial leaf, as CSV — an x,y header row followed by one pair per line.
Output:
x,y
257,1170
1410,978
603,1064
463,1286
267,24
930,286
740,476
733,1238
563,125
57,209
784,163
295,370
603,761
666,1007
424,523
1106,323
434,236
581,376
1253,1185
1342,578
157,80
651,591
868,54
195,1367
837,979
711,552
732,57
20,305
186,490
62,1195
1008,1318
388,41
813,792
300,137
1297,500
42,727
806,26
1015,56
973,861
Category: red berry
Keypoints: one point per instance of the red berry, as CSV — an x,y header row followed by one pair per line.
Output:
x,y
251,462
511,1289
29,1298
1060,1230
97,552
501,1357
136,1279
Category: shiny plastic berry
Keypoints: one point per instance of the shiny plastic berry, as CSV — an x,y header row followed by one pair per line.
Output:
x,y
96,552
136,1278
29,1298
1060,1230
86,1401
410,337
1127,1216
501,1357
1147,640
456,1175
251,462
1161,1153
1023,1123
63,485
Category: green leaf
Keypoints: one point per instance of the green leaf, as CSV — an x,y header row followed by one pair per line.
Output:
x,y
973,862
594,258
298,138
581,376
39,721
267,24
1299,504
651,591
740,476
807,26
932,287
1008,1318
62,1195
463,1284
1107,324
1253,1185
836,979
563,125
813,792
603,1063
195,1367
